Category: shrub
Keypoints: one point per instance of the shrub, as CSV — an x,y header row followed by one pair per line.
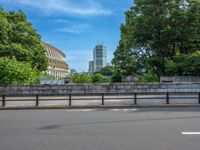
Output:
x,y
148,77
99,78
15,72
82,78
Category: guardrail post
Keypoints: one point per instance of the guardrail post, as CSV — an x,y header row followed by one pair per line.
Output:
x,y
3,100
70,99
37,100
135,98
199,98
167,98
102,98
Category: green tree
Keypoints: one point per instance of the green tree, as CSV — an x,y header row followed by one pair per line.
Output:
x,y
107,71
184,64
82,78
157,33
15,72
124,57
20,40
99,78
148,77
117,76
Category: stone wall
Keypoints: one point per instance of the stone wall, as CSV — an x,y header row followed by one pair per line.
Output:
x,y
178,79
99,88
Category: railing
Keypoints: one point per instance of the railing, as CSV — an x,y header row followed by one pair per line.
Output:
x,y
69,98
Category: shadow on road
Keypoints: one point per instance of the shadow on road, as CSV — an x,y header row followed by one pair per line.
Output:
x,y
56,126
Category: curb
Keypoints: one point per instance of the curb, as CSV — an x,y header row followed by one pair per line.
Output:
x,y
66,107
177,105
97,107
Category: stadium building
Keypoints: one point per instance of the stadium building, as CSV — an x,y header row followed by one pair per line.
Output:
x,y
57,66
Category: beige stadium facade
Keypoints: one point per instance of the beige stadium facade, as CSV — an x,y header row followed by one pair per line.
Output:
x,y
57,66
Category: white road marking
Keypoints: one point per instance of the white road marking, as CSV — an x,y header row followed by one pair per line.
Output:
x,y
123,109
89,110
190,133
81,110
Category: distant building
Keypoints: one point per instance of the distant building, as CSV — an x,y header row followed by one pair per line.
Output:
x,y
91,67
55,81
99,57
73,71
109,64
57,66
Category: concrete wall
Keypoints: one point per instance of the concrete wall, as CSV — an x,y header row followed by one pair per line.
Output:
x,y
99,88
180,79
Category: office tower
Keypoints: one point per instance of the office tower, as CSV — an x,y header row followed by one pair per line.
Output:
x,y
99,57
91,67
73,71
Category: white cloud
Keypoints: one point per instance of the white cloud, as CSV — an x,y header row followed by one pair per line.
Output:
x,y
79,28
69,7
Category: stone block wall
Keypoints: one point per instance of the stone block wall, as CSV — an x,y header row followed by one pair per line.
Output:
x,y
98,88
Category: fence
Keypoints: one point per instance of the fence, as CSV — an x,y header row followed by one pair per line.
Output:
x,y
103,97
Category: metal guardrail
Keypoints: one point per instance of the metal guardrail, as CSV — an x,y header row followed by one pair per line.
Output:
x,y
167,96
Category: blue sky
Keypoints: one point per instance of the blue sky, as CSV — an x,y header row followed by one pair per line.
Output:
x,y
75,26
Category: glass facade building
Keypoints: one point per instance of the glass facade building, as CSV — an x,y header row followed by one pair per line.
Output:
x,y
91,67
99,57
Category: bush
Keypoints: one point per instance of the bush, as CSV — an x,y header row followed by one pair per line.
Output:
x,y
185,64
116,77
148,77
15,72
99,78
82,78
107,71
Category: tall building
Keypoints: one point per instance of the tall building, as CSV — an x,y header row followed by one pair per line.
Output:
x,y
99,57
57,66
91,67
73,71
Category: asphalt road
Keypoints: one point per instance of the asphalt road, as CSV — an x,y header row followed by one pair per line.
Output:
x,y
126,129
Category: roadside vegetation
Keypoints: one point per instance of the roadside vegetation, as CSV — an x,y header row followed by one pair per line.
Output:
x,y
158,38
161,36
22,57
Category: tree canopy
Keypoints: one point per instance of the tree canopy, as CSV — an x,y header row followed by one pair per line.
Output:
x,y
163,35
15,72
107,71
19,40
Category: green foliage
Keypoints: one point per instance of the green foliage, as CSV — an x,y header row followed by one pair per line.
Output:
x,y
82,78
18,39
125,58
117,76
22,57
184,64
107,71
161,35
88,78
15,72
99,78
148,77
46,75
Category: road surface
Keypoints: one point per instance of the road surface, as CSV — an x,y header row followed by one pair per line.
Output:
x,y
110,129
